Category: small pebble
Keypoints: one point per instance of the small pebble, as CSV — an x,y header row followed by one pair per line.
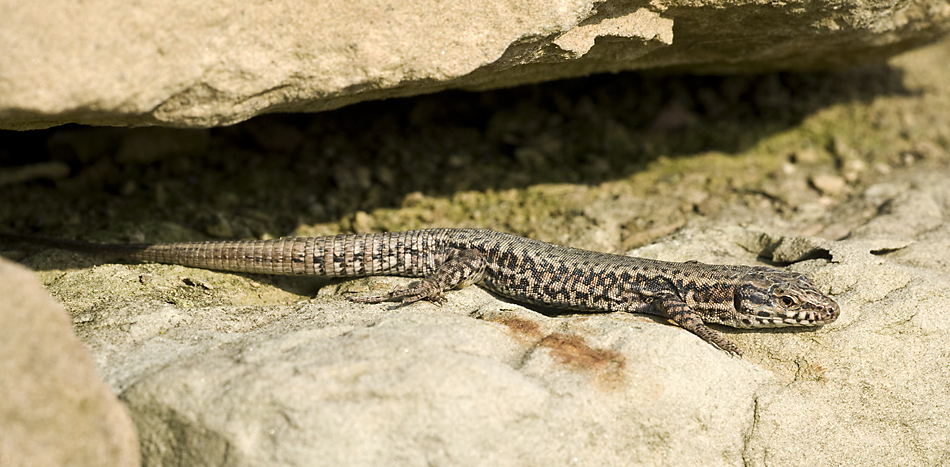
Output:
x,y
828,184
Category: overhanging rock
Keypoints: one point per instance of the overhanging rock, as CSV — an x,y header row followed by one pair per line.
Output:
x,y
184,64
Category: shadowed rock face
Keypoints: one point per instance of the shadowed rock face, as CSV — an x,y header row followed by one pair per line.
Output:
x,y
177,64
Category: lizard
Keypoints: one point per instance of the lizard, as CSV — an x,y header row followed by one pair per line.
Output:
x,y
690,294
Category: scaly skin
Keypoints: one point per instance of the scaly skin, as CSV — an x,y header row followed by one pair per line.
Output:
x,y
690,294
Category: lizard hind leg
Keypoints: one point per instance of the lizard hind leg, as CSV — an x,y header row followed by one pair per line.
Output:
x,y
460,269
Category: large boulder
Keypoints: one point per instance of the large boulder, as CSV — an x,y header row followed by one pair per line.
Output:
x,y
54,408
185,64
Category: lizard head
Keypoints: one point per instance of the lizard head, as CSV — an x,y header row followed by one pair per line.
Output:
x,y
773,298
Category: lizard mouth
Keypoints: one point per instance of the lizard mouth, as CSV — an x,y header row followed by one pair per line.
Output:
x,y
817,317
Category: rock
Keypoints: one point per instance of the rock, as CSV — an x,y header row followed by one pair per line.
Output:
x,y
880,371
432,385
355,385
887,378
828,184
54,408
184,65
483,380
52,170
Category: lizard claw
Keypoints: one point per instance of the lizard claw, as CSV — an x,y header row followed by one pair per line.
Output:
x,y
407,295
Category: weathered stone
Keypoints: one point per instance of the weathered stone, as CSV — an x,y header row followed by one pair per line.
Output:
x,y
482,380
54,408
829,184
177,63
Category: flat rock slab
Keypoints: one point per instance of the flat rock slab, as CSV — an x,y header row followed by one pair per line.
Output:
x,y
482,381
433,386
178,63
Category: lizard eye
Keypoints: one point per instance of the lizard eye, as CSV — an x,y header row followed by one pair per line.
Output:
x,y
787,301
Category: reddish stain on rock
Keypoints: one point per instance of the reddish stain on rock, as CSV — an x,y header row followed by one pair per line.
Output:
x,y
521,326
573,351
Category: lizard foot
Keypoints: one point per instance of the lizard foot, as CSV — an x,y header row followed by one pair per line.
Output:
x,y
422,291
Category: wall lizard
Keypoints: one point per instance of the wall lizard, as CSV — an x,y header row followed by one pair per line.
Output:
x,y
690,294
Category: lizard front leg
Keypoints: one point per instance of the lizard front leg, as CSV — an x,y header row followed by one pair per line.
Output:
x,y
461,268
688,319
